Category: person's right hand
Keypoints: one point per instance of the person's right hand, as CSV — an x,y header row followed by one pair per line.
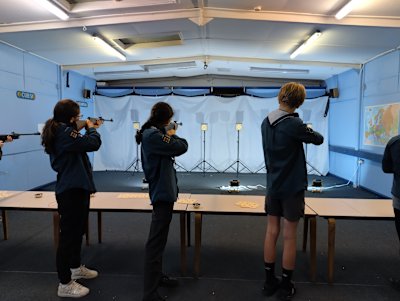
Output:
x,y
1,143
89,124
171,132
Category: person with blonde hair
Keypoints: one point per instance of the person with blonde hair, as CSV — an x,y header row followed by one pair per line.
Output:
x,y
283,135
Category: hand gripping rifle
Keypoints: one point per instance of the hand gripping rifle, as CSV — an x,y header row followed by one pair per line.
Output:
x,y
173,126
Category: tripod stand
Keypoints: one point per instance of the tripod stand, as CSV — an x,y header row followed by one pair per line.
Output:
x,y
311,166
136,162
202,164
238,162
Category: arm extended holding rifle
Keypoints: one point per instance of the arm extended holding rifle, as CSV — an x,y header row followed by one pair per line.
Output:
x,y
15,135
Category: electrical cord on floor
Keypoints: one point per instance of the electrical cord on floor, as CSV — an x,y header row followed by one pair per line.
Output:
x,y
320,189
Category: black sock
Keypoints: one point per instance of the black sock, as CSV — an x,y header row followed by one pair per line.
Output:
x,y
286,277
269,271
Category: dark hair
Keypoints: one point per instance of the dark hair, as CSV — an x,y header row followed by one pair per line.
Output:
x,y
160,114
63,111
293,94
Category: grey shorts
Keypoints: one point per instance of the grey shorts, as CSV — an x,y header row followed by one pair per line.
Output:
x,y
291,208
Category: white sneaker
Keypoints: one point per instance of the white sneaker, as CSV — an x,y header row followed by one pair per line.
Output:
x,y
83,272
72,290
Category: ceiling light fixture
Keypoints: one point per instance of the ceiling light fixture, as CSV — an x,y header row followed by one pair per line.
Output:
x,y
55,10
303,46
346,9
279,70
101,41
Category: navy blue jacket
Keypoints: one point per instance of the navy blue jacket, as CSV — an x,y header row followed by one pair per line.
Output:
x,y
284,154
391,163
158,152
69,158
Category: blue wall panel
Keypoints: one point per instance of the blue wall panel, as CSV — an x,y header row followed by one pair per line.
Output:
x,y
25,164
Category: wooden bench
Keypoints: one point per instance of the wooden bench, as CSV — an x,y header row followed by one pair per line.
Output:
x,y
101,202
338,208
226,205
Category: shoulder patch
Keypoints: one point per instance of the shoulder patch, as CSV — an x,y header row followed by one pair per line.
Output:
x,y
166,138
74,134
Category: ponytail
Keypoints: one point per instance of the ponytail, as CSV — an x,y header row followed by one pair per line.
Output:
x,y
48,135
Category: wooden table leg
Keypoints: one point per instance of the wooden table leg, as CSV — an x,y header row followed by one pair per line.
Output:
x,y
183,242
305,233
4,221
188,229
313,247
197,242
331,248
56,228
99,226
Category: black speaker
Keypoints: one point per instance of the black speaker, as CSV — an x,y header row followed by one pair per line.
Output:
x,y
334,93
86,93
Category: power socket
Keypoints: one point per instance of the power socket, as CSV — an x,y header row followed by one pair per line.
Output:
x,y
360,161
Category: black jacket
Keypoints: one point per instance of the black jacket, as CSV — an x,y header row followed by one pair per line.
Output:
x,y
70,160
391,163
284,154
158,152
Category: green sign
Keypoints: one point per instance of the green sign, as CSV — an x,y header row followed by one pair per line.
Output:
x,y
26,95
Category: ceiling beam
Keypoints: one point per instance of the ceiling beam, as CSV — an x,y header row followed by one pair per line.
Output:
x,y
102,20
202,16
211,58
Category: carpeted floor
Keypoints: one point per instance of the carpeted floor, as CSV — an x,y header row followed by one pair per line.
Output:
x,y
367,252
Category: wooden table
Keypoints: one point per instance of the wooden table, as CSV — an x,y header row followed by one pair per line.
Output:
x,y
337,208
100,202
226,205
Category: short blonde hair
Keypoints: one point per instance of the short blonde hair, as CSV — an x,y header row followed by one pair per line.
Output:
x,y
292,94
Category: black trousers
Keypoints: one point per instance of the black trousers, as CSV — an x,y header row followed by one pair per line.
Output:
x,y
160,221
73,207
397,221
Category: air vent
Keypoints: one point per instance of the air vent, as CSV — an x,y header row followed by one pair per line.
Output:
x,y
154,40
180,65
279,70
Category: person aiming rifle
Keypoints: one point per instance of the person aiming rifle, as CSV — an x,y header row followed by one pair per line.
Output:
x,y
4,138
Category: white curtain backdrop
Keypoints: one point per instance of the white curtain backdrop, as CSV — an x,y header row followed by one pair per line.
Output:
x,y
118,150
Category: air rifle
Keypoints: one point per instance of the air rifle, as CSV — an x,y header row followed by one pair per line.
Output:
x,y
95,120
15,135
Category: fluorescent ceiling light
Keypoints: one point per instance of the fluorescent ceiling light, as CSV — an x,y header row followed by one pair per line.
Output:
x,y
279,70
346,9
101,41
124,72
303,46
55,10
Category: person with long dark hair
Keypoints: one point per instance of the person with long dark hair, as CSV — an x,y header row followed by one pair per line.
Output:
x,y
160,146
283,135
67,148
